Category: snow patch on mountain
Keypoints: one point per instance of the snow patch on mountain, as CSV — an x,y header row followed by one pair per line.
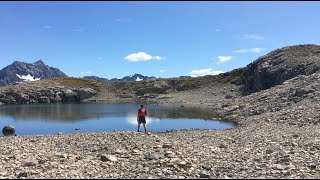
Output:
x,y
27,77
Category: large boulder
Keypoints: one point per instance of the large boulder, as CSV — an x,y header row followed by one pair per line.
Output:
x,y
280,65
8,130
77,94
69,96
84,93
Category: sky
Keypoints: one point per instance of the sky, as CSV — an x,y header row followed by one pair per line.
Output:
x,y
113,39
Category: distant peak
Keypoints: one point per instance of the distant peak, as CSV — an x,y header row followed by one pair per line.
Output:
x,y
16,62
39,62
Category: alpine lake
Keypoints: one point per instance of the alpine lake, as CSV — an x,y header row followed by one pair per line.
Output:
x,y
53,118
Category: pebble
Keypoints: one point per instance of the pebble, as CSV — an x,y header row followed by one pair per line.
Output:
x,y
108,158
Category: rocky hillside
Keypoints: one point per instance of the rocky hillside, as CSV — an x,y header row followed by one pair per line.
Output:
x,y
96,78
280,65
49,90
21,71
296,100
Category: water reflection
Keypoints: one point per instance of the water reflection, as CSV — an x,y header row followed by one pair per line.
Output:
x,y
132,120
63,117
68,112
186,113
52,112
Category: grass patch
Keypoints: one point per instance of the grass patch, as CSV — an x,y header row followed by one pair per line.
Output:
x,y
77,83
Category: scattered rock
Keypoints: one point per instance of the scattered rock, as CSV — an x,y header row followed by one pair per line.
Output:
x,y
22,174
169,154
223,145
108,158
167,145
269,151
204,175
30,163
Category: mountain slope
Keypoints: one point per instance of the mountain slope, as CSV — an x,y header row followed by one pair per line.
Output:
x,y
280,65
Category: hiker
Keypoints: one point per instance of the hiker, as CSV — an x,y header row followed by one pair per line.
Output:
x,y
141,117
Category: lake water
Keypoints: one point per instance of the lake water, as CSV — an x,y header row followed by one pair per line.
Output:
x,y
34,119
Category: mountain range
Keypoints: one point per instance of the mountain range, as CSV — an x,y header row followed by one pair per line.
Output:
x,y
134,77
21,71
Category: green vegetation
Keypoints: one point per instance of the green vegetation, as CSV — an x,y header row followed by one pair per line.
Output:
x,y
77,83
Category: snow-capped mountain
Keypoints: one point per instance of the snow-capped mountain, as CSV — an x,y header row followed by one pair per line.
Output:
x,y
21,71
134,77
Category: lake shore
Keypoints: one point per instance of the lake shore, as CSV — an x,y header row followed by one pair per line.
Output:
x,y
258,148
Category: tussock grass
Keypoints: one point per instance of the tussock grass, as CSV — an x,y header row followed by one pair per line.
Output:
x,y
77,82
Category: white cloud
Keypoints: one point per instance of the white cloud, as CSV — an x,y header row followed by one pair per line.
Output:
x,y
47,27
100,58
157,57
124,20
162,71
222,59
252,50
251,37
86,73
141,56
217,30
203,72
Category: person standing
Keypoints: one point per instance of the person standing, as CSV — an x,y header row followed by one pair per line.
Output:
x,y
141,118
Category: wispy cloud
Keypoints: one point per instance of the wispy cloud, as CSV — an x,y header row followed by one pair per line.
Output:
x,y
100,58
203,72
47,27
251,37
86,73
252,50
128,20
79,29
223,59
141,56
218,30
162,71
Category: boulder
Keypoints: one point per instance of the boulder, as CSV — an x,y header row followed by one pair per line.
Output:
x,y
69,96
9,130
84,93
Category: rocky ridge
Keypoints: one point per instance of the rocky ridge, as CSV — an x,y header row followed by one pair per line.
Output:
x,y
42,92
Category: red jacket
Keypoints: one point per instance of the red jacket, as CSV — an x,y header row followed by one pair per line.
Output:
x,y
142,112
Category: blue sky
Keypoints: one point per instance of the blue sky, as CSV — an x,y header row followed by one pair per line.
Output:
x,y
161,39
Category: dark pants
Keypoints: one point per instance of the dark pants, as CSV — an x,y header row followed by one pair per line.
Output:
x,y
142,119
